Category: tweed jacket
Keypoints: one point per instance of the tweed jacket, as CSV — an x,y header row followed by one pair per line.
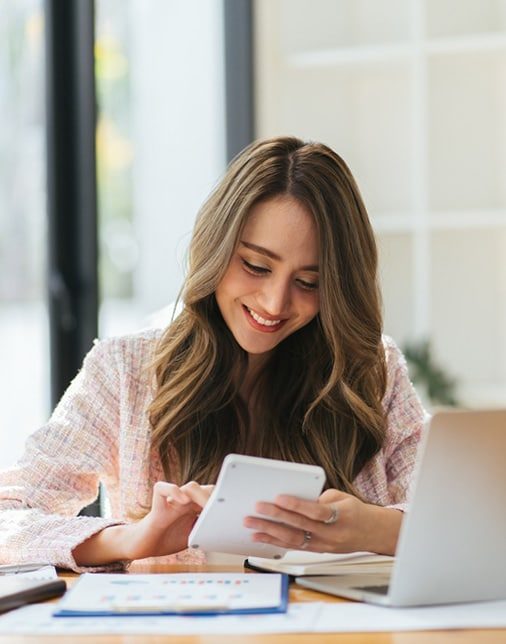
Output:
x,y
100,433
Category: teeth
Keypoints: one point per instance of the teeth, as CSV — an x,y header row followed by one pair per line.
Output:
x,y
260,320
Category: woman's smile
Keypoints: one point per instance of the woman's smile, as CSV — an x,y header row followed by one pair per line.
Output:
x,y
260,323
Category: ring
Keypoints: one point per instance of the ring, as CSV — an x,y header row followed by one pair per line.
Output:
x,y
307,538
333,517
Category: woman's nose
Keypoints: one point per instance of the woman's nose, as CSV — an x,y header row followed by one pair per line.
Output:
x,y
275,297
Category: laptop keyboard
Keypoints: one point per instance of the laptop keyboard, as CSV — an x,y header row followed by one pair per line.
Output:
x,y
380,590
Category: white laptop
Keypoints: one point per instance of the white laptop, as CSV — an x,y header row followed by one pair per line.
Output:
x,y
452,545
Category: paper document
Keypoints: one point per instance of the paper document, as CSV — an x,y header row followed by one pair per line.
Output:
x,y
166,594
38,620
47,572
29,570
307,617
352,617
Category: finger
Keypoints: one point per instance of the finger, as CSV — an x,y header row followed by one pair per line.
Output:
x,y
334,512
304,546
284,516
270,531
199,494
167,496
259,537
170,492
314,510
208,489
331,496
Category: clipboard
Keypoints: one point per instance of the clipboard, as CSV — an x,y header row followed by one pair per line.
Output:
x,y
115,595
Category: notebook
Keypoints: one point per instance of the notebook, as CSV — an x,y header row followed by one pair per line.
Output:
x,y
452,545
299,562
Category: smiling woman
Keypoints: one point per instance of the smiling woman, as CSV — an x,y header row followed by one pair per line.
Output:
x,y
277,352
283,352
270,288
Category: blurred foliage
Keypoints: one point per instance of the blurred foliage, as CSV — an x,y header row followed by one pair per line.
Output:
x,y
118,250
22,179
426,373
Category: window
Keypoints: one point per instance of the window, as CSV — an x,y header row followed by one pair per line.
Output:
x,y
24,362
160,146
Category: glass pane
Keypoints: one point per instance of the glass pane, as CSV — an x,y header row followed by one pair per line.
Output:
x,y
24,362
160,147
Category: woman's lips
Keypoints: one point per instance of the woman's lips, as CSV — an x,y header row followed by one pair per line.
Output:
x,y
261,324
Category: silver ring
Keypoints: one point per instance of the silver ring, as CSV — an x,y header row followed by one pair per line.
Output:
x,y
333,517
307,538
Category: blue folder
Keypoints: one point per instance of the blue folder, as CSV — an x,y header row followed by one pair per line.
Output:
x,y
67,606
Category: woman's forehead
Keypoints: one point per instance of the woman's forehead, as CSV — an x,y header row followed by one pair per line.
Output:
x,y
284,227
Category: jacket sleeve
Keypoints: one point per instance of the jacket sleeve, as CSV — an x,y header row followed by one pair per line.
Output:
x,y
406,419
61,468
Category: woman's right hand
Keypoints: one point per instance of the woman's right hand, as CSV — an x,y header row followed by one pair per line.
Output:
x,y
164,530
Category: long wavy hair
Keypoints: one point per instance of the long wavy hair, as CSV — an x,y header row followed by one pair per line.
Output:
x,y
319,398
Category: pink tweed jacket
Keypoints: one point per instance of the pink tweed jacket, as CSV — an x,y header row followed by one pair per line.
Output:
x,y
99,432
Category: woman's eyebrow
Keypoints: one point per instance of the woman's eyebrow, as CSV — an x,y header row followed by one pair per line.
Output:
x,y
275,256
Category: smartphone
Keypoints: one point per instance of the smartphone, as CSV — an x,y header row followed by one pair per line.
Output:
x,y
242,482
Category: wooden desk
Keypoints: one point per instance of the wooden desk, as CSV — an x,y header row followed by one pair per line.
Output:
x,y
298,594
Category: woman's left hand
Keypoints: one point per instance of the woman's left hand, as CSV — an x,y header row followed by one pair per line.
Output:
x,y
336,522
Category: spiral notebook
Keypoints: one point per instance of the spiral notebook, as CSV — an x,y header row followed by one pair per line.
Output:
x,y
104,594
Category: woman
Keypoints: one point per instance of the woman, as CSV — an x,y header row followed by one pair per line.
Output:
x,y
278,352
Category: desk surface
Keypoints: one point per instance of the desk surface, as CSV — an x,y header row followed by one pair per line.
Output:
x,y
298,594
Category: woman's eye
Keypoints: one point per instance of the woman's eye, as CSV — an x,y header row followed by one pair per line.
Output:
x,y
308,286
253,268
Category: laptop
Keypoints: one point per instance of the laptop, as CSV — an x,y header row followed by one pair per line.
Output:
x,y
452,544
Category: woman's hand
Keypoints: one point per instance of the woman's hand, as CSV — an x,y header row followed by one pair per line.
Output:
x,y
164,530
337,522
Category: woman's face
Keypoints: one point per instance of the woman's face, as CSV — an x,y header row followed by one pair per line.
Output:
x,y
270,288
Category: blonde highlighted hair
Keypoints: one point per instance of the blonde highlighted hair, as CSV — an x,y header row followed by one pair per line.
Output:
x,y
319,400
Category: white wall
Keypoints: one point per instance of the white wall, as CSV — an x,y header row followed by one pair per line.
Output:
x,y
413,96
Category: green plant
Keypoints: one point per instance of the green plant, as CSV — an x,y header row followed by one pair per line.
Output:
x,y
425,371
